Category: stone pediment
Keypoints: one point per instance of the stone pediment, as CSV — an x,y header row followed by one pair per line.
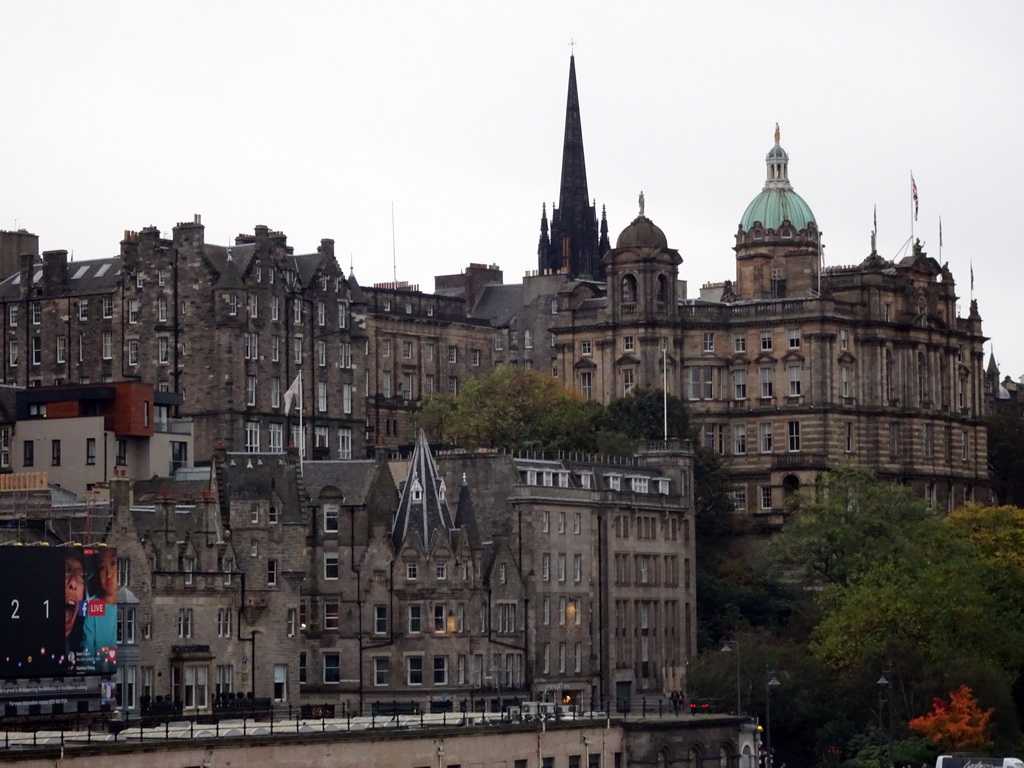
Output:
x,y
739,361
585,365
793,357
846,358
627,360
764,358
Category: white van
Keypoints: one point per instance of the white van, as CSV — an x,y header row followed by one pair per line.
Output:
x,y
968,761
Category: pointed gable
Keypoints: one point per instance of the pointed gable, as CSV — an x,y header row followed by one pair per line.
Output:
x,y
423,509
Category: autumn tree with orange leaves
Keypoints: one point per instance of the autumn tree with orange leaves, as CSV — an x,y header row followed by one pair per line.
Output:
x,y
957,725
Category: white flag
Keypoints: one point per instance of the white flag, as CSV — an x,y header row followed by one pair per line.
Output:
x,y
295,390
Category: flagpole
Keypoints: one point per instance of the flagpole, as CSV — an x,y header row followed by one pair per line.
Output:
x,y
911,208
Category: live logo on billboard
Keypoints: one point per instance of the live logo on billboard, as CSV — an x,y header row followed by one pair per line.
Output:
x,y
97,608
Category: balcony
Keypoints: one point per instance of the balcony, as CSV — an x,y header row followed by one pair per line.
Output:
x,y
173,426
784,461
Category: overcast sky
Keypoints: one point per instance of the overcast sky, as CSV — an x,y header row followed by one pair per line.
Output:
x,y
316,118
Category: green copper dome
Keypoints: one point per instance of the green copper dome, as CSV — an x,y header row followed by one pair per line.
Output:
x,y
775,205
777,202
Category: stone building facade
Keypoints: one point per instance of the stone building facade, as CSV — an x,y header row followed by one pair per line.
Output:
x,y
469,581
228,328
791,370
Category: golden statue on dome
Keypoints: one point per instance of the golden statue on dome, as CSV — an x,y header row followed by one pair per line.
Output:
x,y
776,133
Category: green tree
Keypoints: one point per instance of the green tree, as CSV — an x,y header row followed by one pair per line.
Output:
x,y
1006,456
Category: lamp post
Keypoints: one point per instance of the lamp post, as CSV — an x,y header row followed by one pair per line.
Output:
x,y
770,680
729,647
885,683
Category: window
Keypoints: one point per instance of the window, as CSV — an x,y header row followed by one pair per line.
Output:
x,y
415,619
794,436
894,438
162,350
848,436
126,622
321,312
545,567
561,567
133,311
297,350
37,313
766,437
586,348
628,343
766,497
28,453
12,354
739,385
345,443
330,518
280,682
440,670
332,667
344,354
794,338
628,381
577,568
224,622
767,378
499,341
275,437
55,453
108,308
586,384
381,671
794,380
739,343
252,435
321,396
133,352
62,349
453,385
342,313
250,390
380,619
766,341
332,613
297,311
331,566
291,622
527,339
709,341
440,616
12,315
739,439
185,617
414,670
739,499
271,573
453,354
844,381
36,348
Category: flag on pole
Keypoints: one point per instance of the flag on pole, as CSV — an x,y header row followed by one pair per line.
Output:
x,y
913,193
295,390
940,231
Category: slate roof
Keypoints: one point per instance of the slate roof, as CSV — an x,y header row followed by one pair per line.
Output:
x,y
84,277
498,303
423,508
353,478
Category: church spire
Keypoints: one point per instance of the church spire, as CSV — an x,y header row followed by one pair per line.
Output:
x,y
573,244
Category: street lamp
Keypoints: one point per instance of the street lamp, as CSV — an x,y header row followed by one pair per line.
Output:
x,y
728,647
885,683
770,680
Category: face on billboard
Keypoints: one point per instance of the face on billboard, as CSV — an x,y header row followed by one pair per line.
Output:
x,y
58,611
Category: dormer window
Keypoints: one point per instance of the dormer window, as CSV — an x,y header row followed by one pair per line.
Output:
x,y
786,233
417,491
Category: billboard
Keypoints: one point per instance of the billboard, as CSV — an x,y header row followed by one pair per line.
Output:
x,y
58,611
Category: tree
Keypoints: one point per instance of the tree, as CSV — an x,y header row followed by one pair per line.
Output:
x,y
957,725
512,408
1006,456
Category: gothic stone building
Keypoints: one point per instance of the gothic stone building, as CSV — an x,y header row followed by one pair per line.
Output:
x,y
476,580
